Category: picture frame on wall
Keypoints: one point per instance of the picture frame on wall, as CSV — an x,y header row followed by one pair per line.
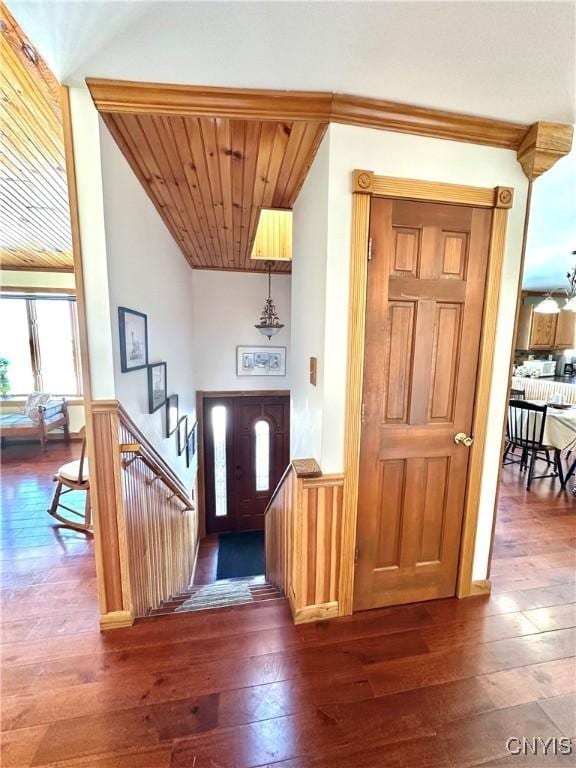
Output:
x,y
157,391
171,415
182,434
191,444
133,330
260,361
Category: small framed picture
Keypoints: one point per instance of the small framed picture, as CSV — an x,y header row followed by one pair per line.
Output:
x,y
182,434
156,386
191,444
133,328
261,361
171,414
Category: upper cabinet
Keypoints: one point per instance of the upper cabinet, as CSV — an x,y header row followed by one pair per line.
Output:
x,y
538,331
565,337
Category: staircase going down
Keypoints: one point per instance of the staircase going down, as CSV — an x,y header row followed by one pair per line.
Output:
x,y
220,594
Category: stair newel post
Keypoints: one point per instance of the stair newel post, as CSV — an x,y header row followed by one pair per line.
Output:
x,y
110,535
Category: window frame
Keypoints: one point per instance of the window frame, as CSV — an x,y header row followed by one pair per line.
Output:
x,y
34,342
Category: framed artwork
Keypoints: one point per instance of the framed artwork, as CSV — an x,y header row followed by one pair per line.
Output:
x,y
171,414
133,327
261,361
182,434
191,444
156,386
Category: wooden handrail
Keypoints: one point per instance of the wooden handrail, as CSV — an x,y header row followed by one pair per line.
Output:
x,y
145,451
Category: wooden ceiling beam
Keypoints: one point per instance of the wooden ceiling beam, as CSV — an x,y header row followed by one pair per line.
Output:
x,y
241,150
309,106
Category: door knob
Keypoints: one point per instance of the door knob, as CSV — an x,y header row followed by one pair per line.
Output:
x,y
463,439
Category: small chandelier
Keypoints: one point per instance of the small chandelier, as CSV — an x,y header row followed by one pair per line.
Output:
x,y
269,324
571,292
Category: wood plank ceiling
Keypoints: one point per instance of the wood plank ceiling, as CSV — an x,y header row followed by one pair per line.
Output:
x,y
209,177
34,213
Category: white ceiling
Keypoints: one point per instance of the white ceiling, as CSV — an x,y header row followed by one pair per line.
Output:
x,y
508,60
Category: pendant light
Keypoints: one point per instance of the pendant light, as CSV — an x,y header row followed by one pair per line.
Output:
x,y
269,324
548,306
570,305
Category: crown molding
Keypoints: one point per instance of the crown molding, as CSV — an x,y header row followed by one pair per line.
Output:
x,y
538,146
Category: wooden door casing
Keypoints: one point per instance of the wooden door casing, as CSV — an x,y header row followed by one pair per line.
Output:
x,y
245,505
425,297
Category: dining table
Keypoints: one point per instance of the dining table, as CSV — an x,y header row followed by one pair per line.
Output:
x,y
560,432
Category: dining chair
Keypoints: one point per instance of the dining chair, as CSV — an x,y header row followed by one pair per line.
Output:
x,y
515,394
525,430
73,476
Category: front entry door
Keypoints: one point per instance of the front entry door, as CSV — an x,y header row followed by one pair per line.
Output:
x,y
246,450
425,299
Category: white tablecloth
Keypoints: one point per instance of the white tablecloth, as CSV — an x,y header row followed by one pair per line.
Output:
x,y
560,429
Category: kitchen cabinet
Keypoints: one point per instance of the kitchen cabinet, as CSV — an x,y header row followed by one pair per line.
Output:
x,y
565,337
543,331
538,331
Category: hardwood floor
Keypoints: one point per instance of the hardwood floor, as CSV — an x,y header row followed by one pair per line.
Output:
x,y
436,685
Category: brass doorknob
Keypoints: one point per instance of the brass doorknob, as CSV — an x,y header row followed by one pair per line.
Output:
x,y
463,439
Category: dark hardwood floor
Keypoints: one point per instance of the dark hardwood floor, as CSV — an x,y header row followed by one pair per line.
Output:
x,y
435,685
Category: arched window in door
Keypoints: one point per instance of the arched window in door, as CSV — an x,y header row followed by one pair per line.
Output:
x,y
219,437
262,460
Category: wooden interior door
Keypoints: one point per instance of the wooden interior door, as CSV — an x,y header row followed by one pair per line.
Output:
x,y
246,450
426,283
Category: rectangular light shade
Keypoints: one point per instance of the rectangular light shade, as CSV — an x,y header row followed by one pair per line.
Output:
x,y
273,241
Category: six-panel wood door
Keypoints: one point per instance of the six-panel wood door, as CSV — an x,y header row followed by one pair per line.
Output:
x,y
425,300
246,450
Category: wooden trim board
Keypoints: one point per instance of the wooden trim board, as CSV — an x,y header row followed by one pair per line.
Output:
x,y
363,184
118,96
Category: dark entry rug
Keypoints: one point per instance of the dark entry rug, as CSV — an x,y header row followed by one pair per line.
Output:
x,y
240,554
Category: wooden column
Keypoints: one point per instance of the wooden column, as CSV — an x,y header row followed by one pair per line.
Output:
x,y
109,519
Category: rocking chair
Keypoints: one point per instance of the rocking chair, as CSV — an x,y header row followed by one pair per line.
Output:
x,y
73,477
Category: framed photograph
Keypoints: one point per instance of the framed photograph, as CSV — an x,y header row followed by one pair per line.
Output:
x,y
133,327
191,444
171,414
261,361
156,386
182,434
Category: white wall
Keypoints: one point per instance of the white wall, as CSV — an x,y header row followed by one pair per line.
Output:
x,y
395,154
147,272
309,280
12,278
86,137
226,305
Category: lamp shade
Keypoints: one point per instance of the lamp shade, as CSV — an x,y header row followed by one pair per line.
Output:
x,y
548,306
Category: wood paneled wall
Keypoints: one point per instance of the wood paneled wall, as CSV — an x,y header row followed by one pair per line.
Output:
x,y
303,543
161,532
145,523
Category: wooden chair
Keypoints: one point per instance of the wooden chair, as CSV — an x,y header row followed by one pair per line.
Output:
x,y
526,424
73,477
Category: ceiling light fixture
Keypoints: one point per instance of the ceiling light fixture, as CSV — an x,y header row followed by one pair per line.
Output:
x,y
548,306
269,324
571,292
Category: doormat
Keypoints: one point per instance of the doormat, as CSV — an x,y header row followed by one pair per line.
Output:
x,y
240,554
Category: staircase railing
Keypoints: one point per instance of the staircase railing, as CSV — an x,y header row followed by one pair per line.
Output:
x,y
160,519
303,525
